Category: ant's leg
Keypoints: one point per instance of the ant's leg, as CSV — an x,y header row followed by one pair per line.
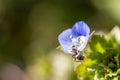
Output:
x,y
75,59
73,56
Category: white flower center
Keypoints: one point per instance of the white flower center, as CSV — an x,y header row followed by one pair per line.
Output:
x,y
78,42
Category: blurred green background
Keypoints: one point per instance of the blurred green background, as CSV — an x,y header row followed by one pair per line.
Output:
x,y
29,30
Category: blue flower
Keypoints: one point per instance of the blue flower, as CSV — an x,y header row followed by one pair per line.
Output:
x,y
75,37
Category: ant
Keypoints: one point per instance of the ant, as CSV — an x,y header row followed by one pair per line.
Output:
x,y
76,54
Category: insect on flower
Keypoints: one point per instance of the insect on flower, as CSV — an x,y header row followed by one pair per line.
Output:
x,y
74,40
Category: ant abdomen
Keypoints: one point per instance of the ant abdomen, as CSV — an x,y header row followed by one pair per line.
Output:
x,y
80,57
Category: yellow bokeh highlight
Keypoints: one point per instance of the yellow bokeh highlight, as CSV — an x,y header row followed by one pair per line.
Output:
x,y
99,48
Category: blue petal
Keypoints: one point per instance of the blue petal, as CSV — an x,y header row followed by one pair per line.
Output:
x,y
80,29
65,40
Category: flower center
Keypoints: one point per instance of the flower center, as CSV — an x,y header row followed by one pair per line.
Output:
x,y
78,42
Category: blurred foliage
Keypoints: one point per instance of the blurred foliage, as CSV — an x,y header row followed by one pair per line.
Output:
x,y
112,8
103,61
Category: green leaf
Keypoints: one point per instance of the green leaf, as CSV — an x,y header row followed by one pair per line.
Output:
x,y
117,60
82,72
98,44
89,62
